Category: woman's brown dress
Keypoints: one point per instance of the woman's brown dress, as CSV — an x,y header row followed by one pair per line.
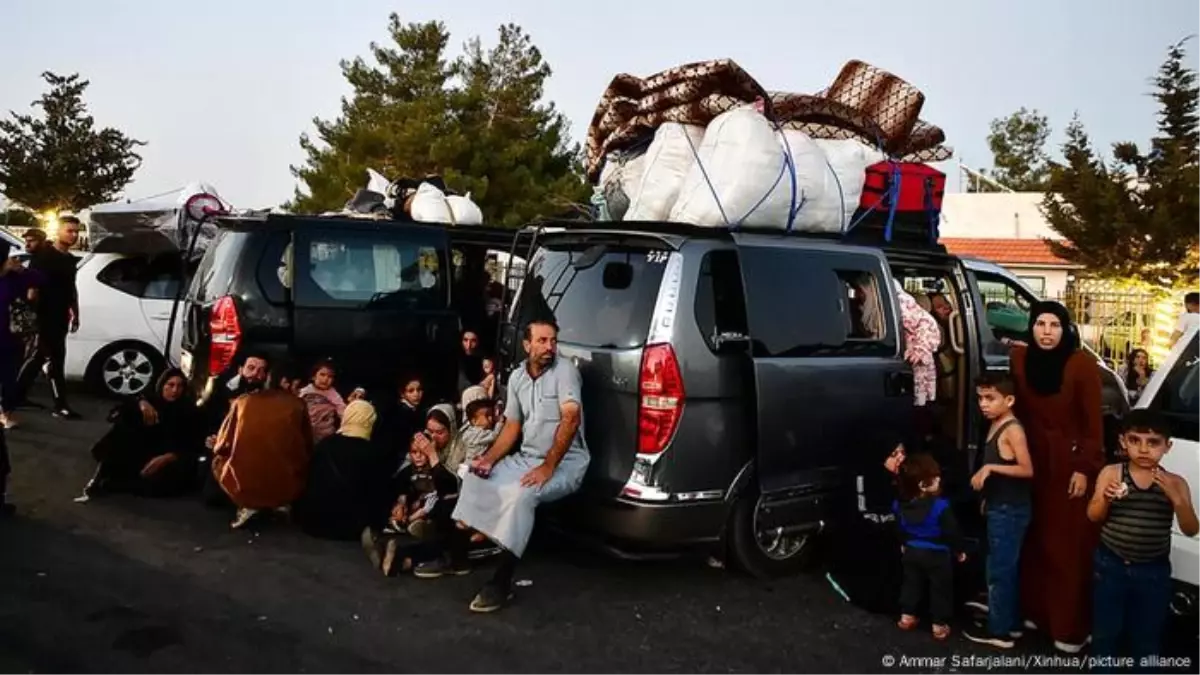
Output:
x,y
1065,432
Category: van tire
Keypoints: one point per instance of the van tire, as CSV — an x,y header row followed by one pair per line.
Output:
x,y
139,354
745,550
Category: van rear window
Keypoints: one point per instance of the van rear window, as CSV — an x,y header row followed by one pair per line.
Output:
x,y
349,268
600,295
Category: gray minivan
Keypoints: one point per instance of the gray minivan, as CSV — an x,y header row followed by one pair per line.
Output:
x,y
736,385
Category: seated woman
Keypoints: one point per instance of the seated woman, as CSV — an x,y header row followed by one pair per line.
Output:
x,y
345,479
151,460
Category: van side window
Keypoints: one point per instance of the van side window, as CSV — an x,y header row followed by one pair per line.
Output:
x,y
275,268
1006,309
803,303
356,268
1179,396
720,299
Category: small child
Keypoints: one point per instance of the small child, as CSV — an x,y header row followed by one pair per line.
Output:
x,y
323,375
931,537
1136,502
413,511
1004,481
478,434
489,382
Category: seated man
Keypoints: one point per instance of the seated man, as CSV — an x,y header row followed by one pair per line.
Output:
x,y
502,491
261,454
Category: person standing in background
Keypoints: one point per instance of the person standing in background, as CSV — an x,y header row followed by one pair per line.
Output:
x,y
1189,318
57,305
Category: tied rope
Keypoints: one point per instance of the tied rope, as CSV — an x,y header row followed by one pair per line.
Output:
x,y
788,167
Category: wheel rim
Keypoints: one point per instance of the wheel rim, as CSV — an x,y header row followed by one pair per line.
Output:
x,y
772,541
127,371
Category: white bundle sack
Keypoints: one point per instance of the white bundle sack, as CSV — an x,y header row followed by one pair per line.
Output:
x,y
665,167
429,205
465,211
746,169
619,180
818,200
849,159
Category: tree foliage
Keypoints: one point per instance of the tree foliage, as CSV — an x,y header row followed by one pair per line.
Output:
x,y
1137,216
479,120
1019,159
60,160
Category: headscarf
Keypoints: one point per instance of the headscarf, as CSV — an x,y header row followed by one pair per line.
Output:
x,y
1044,368
358,420
446,410
185,399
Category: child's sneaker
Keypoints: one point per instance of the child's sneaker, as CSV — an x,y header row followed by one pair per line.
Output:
x,y
981,635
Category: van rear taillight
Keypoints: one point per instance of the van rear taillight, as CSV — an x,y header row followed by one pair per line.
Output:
x,y
660,404
226,333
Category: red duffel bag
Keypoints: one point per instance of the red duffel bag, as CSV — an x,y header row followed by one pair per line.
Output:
x,y
904,193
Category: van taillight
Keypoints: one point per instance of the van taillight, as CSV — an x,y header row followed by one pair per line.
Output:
x,y
226,332
660,388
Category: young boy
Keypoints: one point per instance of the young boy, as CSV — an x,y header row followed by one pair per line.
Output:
x,y
1004,481
1136,502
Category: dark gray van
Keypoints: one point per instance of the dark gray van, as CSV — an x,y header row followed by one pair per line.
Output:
x,y
737,384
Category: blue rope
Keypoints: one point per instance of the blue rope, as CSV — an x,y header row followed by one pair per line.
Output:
x,y
707,180
790,163
842,229
887,230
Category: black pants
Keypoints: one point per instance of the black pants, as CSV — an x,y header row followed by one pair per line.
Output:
x,y
52,349
122,472
928,573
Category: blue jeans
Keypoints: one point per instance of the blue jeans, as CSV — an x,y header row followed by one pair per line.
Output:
x,y
1130,601
1006,525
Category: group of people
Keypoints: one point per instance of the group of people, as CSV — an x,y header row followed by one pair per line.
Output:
x,y
1075,549
416,486
41,306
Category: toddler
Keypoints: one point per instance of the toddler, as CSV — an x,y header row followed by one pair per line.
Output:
x,y
931,539
1136,503
1004,481
325,405
477,435
413,511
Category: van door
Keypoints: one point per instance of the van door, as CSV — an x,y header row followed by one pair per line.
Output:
x,y
376,300
833,392
1176,394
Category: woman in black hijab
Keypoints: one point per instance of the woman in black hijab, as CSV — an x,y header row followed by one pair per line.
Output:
x,y
150,460
1058,394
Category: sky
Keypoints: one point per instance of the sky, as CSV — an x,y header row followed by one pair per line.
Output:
x,y
221,90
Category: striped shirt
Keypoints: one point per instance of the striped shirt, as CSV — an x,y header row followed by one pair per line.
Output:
x,y
1138,528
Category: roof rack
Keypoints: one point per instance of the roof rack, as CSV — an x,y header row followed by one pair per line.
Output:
x,y
904,237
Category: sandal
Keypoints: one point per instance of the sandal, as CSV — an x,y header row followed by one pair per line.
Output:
x,y
940,631
906,622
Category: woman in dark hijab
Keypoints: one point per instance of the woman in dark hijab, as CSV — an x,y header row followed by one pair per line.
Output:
x,y
151,460
1058,402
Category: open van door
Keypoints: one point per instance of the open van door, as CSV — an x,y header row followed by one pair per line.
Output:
x,y
832,390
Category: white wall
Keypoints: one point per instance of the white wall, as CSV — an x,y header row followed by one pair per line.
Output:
x,y
995,215
1055,279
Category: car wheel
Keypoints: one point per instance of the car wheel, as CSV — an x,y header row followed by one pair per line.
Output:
x,y
124,369
767,552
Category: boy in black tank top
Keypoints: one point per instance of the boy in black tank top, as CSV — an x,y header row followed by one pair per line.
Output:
x,y
1004,483
1136,503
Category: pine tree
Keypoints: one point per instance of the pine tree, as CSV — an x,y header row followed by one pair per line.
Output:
x,y
1137,217
478,120
60,160
1018,145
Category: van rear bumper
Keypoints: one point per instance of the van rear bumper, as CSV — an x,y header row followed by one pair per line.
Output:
x,y
627,523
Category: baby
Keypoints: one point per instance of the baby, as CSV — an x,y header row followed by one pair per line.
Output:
x,y
478,434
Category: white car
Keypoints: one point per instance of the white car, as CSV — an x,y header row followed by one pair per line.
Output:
x,y
1175,392
125,309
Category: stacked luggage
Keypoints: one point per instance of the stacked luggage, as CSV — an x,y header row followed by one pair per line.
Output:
x,y
706,144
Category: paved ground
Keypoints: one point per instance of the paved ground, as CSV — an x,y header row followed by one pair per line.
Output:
x,y
164,586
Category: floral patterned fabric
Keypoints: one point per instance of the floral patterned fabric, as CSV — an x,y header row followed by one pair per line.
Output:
x,y
922,337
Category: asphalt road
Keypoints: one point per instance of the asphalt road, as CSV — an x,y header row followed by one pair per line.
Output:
x,y
133,585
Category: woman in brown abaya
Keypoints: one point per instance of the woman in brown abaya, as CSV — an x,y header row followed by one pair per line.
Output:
x,y
1058,402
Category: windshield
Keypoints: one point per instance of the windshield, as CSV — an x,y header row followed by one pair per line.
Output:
x,y
599,295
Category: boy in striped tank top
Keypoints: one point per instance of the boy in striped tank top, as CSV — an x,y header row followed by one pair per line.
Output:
x,y
1136,502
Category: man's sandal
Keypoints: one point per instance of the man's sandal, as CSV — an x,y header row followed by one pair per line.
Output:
x,y
907,622
940,631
